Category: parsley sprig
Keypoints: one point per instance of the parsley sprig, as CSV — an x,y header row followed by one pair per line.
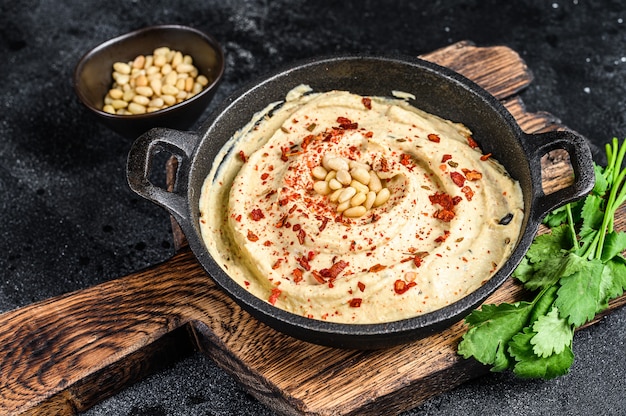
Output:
x,y
575,270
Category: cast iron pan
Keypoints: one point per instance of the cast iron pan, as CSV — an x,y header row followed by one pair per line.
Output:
x,y
437,90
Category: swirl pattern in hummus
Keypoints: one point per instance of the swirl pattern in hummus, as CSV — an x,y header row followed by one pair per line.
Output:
x,y
453,218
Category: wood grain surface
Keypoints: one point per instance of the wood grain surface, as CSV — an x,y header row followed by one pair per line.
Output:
x,y
62,355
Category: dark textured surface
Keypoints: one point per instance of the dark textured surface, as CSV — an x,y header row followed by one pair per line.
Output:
x,y
69,220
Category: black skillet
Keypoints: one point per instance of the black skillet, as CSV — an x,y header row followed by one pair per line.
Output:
x,y
437,90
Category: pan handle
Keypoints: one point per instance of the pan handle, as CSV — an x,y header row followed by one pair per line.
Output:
x,y
139,163
537,145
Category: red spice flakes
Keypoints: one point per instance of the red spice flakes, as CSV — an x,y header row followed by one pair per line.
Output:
x,y
282,221
267,243
405,159
376,268
457,178
274,296
334,270
400,286
384,165
257,214
304,262
347,124
472,175
367,102
252,236
446,214
245,282
434,138
445,158
243,156
471,142
307,140
276,264
361,286
469,194
297,275
355,302
324,223
369,134
485,157
417,261
443,237
317,276
301,236
284,151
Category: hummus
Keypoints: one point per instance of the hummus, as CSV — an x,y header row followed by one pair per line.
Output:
x,y
450,219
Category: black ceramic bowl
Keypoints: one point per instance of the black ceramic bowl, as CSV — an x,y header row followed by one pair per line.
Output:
x,y
438,91
92,76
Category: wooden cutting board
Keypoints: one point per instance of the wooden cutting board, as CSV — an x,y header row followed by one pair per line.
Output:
x,y
62,355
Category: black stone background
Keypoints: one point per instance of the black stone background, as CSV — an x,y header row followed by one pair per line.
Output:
x,y
69,221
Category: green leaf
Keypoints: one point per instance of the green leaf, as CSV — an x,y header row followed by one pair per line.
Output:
x,y
581,292
592,213
556,217
553,334
550,244
614,244
615,269
548,272
491,328
530,365
601,184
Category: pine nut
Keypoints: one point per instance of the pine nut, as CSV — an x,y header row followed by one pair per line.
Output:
x,y
116,93
382,196
369,201
145,91
334,184
338,163
141,99
139,62
183,67
358,199
346,194
361,175
335,195
156,84
375,184
319,172
344,177
122,68
355,212
343,206
135,108
168,99
168,89
359,186
321,187
202,80
156,102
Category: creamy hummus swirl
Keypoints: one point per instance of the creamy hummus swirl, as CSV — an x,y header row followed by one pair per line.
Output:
x,y
452,220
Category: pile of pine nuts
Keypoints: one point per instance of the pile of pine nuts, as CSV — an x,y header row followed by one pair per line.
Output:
x,y
354,186
153,82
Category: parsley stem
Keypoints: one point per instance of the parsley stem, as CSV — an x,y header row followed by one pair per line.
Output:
x,y
614,201
570,223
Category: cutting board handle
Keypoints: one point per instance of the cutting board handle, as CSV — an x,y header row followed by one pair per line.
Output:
x,y
50,346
